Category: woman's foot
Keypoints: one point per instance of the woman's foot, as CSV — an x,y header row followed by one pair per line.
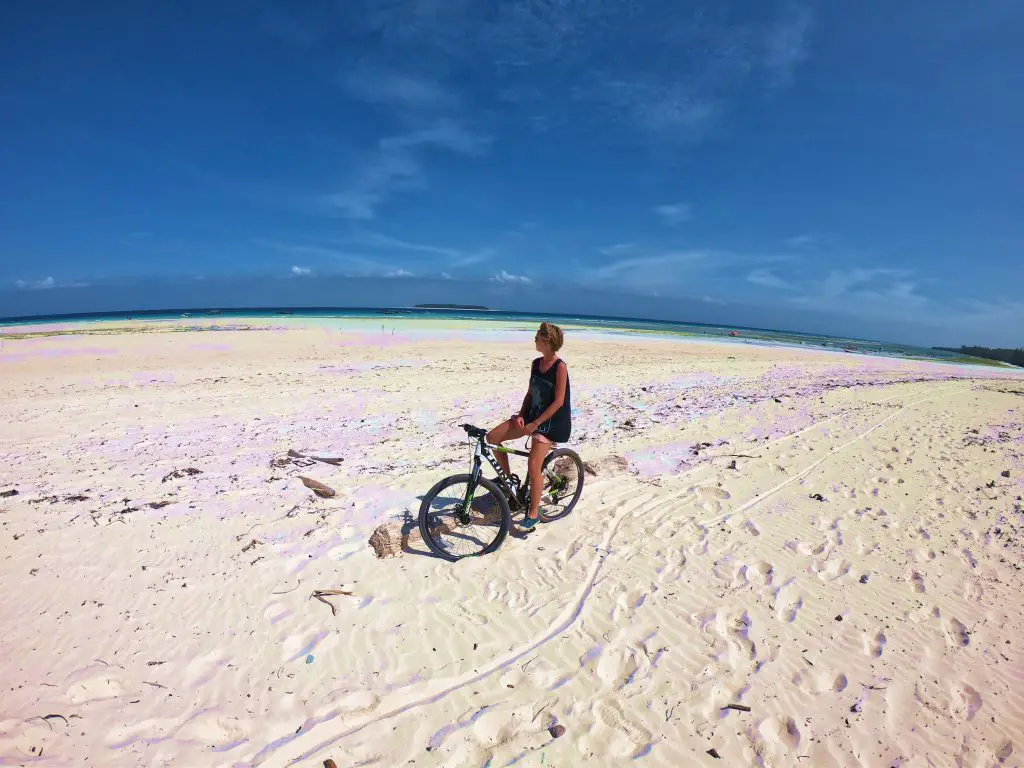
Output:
x,y
529,523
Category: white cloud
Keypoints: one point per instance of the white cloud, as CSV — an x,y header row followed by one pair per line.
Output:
x,y
456,257
617,249
652,269
695,63
301,271
353,263
768,279
675,214
399,273
397,165
785,45
505,277
446,276
877,292
35,285
378,86
802,241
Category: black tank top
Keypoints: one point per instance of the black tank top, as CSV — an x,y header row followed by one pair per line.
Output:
x,y
542,394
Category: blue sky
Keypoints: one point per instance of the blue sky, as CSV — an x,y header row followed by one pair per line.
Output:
x,y
825,167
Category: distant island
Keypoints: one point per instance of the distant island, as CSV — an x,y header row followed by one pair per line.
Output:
x,y
450,306
1011,356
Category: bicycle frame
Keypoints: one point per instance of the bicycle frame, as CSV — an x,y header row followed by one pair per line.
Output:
x,y
510,483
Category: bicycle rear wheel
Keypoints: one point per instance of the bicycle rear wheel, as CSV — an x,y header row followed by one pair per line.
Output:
x,y
563,484
452,531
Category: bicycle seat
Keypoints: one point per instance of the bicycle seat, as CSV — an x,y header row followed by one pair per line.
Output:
x,y
474,431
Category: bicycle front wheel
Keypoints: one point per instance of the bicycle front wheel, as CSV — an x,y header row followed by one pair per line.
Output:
x,y
563,484
452,530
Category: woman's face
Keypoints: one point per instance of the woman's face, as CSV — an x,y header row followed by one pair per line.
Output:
x,y
542,346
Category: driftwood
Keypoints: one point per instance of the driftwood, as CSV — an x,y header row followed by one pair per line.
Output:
x,y
606,465
323,594
335,460
393,539
321,490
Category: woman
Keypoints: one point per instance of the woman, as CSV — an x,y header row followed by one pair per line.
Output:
x,y
545,413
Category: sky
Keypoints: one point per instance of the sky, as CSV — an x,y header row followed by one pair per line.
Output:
x,y
832,167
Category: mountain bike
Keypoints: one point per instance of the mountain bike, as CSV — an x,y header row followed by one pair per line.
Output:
x,y
456,522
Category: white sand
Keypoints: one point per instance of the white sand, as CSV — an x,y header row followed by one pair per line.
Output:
x,y
881,626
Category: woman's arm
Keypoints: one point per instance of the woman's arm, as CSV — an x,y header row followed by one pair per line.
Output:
x,y
527,399
525,407
561,380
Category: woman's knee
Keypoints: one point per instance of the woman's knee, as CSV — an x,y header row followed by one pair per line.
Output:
x,y
499,434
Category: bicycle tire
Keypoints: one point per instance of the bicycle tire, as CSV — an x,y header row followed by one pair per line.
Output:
x,y
571,455
432,541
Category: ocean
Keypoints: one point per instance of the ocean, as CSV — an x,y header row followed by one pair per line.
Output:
x,y
736,334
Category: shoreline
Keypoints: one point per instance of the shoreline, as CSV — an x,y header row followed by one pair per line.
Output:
x,y
431,323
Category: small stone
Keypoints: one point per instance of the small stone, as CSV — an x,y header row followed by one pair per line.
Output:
x,y
8,494
330,764
714,753
1005,473
864,579
556,731
309,659
839,618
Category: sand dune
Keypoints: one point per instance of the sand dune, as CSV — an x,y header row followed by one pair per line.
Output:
x,y
833,542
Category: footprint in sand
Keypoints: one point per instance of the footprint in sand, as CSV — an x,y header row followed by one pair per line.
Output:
x,y
619,667
957,635
781,731
789,610
923,555
965,701
764,573
624,738
1004,750
874,644
674,562
971,589
213,729
968,557
752,529
706,492
916,581
94,688
924,613
831,569
628,602
735,629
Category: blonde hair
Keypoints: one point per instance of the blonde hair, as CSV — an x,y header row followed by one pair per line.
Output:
x,y
552,334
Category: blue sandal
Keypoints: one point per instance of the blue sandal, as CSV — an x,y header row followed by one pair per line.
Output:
x,y
529,523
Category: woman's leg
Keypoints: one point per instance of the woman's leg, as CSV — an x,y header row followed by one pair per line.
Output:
x,y
539,450
507,430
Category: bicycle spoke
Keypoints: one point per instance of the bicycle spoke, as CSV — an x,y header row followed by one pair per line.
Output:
x,y
458,534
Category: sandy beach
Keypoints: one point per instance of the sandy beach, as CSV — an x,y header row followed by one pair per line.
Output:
x,y
829,542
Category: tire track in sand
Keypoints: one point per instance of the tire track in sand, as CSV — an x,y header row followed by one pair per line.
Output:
x,y
565,620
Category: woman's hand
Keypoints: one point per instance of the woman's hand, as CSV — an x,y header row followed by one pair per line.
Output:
x,y
531,427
